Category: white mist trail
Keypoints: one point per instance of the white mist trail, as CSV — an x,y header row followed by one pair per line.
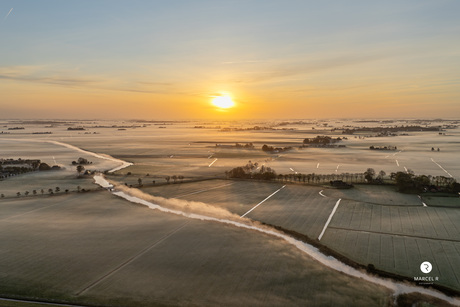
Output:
x,y
100,156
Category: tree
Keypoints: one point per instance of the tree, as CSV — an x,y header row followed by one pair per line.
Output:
x,y
80,169
174,178
403,181
167,178
58,189
44,167
180,177
50,191
369,174
2,195
34,192
78,188
42,191
18,194
421,182
26,193
139,181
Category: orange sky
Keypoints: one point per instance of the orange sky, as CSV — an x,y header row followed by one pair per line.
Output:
x,y
163,61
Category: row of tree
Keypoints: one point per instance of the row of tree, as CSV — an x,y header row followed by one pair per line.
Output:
x,y
405,181
42,192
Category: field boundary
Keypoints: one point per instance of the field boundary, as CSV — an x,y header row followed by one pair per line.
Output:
x,y
394,234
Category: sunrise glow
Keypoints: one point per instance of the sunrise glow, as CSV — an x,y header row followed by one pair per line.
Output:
x,y
223,102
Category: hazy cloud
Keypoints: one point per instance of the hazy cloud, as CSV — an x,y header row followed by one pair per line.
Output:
x,y
46,75
35,74
244,62
310,67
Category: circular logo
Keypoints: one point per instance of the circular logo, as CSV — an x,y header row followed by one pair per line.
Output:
x,y
426,267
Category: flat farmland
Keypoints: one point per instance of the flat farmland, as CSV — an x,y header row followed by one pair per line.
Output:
x,y
424,222
95,248
391,230
375,194
434,201
298,208
235,196
398,238
399,254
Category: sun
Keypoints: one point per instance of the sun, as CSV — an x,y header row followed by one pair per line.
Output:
x,y
223,102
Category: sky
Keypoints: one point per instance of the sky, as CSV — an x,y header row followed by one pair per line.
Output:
x,y
112,59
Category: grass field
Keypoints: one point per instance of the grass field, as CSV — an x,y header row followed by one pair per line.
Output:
x,y
95,248
434,201
375,194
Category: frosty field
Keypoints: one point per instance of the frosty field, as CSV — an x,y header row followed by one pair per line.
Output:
x,y
92,248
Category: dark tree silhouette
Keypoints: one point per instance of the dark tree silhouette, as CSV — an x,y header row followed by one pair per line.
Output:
x,y
80,169
369,174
